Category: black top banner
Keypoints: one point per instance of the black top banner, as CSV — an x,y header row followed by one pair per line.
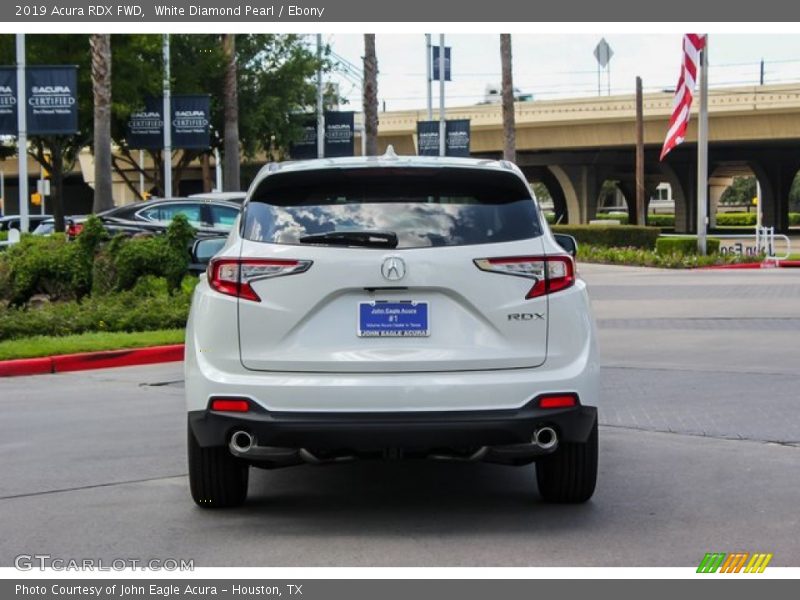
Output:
x,y
191,116
456,138
422,11
339,136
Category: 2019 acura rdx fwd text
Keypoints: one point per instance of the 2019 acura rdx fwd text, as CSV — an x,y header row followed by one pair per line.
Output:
x,y
403,307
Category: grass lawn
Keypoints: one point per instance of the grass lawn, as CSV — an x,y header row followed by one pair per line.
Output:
x,y
42,345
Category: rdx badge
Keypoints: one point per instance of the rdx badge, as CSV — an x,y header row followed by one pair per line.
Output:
x,y
525,316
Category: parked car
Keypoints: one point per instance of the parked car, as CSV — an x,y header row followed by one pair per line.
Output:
x,y
207,216
390,307
73,225
235,197
14,222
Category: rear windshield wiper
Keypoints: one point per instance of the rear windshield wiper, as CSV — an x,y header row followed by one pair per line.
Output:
x,y
380,239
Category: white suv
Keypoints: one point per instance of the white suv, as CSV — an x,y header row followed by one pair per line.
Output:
x,y
390,307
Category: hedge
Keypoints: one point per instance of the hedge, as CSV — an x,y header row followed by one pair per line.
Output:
x,y
661,220
684,245
648,258
736,219
633,236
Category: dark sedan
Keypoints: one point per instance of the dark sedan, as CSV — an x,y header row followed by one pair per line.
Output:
x,y
209,217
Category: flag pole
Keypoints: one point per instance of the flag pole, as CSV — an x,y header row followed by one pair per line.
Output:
x,y
702,154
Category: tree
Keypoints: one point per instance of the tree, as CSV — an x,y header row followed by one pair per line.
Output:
x,y
230,102
741,191
101,87
509,128
370,95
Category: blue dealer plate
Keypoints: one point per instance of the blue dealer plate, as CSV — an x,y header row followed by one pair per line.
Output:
x,y
393,319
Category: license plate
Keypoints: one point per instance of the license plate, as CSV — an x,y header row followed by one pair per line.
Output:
x,y
393,319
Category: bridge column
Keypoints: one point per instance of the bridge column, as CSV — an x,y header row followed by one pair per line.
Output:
x,y
775,177
683,179
581,186
716,187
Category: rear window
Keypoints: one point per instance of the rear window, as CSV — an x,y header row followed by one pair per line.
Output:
x,y
421,207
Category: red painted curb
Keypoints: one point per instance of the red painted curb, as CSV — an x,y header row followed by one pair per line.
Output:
x,y
91,360
783,264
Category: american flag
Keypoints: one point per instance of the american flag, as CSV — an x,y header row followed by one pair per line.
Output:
x,y
693,43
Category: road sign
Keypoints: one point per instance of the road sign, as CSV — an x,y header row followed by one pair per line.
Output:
x,y
603,53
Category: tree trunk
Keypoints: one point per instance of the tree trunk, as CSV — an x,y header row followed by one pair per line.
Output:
x,y
370,95
101,88
57,183
230,100
509,133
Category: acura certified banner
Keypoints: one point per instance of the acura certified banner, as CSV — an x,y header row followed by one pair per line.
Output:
x,y
146,126
52,100
8,101
190,123
456,138
339,136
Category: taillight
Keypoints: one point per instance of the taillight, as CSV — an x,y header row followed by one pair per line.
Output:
x,y
233,276
549,273
74,229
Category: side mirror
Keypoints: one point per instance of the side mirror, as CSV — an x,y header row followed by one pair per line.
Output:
x,y
204,250
568,243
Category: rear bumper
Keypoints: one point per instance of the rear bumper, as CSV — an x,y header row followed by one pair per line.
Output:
x,y
422,431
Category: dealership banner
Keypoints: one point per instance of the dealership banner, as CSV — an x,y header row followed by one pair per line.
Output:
x,y
339,136
456,138
8,101
52,99
191,117
306,146
146,126
435,76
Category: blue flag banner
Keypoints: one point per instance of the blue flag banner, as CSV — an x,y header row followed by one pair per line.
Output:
x,y
52,99
457,134
8,101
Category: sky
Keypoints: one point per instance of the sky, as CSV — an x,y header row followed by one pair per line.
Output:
x,y
558,66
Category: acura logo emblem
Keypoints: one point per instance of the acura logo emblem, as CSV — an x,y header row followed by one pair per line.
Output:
x,y
393,268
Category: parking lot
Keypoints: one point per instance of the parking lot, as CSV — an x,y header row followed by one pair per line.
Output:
x,y
700,449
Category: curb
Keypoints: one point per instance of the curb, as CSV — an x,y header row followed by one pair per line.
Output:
x,y
783,264
84,361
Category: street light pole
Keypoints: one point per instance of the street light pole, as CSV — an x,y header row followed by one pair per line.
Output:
x,y
320,115
442,126
22,136
167,110
702,154
428,82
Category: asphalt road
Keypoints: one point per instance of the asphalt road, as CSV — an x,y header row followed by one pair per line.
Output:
x,y
700,451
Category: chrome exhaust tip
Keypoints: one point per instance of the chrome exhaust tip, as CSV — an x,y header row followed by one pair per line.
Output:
x,y
241,442
546,438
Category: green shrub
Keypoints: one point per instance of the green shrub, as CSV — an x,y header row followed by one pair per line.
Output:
x,y
147,307
684,244
661,220
736,219
121,263
794,218
3,236
44,265
612,235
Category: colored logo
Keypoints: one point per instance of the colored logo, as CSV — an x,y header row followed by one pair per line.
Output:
x,y
736,562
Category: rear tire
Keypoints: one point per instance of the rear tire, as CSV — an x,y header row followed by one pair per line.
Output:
x,y
217,479
569,475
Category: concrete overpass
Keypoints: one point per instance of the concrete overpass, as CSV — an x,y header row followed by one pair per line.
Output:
x,y
573,145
